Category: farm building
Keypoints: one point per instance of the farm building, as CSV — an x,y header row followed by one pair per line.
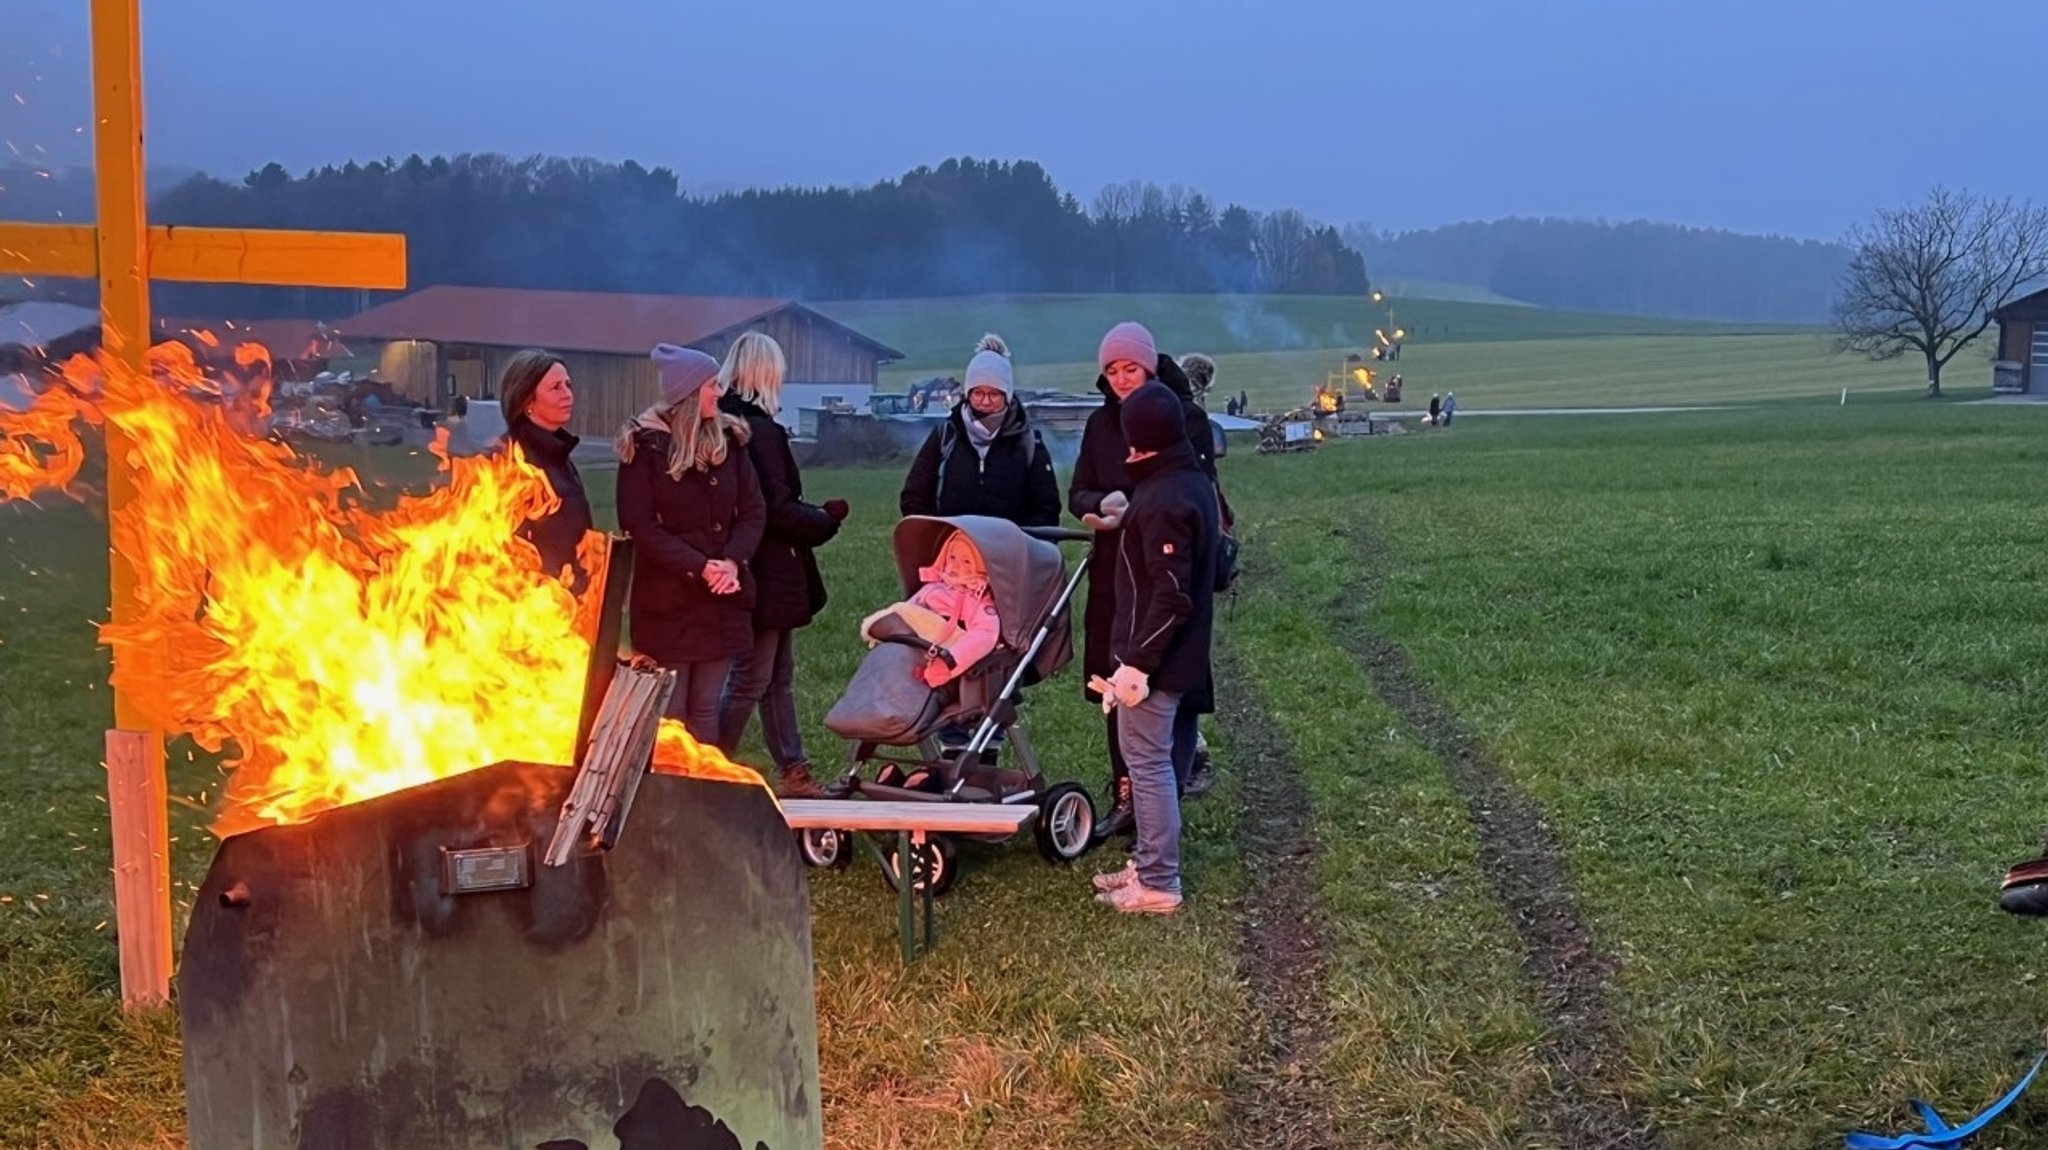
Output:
x,y
2022,360
443,342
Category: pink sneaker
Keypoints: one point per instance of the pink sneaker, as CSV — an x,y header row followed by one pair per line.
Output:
x,y
1137,898
1116,879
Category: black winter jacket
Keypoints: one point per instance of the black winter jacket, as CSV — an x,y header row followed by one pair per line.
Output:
x,y
791,592
1100,470
1166,575
555,536
676,525
1015,481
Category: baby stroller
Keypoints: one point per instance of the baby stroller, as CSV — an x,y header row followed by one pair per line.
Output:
x,y
893,720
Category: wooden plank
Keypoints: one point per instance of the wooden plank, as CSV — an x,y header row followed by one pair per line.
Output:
x,y
865,815
280,257
214,255
135,754
68,250
136,795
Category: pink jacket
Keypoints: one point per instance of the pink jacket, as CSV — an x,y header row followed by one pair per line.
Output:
x,y
974,613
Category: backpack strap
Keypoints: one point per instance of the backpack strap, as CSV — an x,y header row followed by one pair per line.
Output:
x,y
949,437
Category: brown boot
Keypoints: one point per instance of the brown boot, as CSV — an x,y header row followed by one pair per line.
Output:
x,y
797,783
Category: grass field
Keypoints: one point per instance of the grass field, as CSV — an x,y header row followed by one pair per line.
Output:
x,y
1277,349
938,334
1773,677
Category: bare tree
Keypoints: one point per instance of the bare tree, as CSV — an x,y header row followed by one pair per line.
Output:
x,y
1926,278
1281,244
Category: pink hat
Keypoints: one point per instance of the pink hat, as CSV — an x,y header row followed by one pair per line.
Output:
x,y
1129,341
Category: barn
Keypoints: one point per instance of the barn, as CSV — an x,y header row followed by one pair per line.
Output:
x,y
446,341
2022,362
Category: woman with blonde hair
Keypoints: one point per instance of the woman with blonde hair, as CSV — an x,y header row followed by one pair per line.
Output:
x,y
693,508
792,591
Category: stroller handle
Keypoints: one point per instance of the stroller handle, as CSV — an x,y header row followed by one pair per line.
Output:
x,y
1059,534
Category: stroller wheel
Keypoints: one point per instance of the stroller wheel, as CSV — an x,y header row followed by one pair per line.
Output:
x,y
1066,823
934,862
825,848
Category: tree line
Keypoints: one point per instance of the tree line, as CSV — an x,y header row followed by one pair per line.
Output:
x,y
964,227
1634,268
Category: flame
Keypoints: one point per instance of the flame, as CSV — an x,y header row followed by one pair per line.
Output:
x,y
676,753
336,651
1363,377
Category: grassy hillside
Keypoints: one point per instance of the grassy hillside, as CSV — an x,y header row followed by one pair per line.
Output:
x,y
938,334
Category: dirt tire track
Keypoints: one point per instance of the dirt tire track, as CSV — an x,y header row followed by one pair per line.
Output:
x,y
1528,868
1283,949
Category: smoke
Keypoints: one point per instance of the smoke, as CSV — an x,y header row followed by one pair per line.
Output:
x,y
1252,327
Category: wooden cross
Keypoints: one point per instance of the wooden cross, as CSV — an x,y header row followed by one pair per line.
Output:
x,y
125,253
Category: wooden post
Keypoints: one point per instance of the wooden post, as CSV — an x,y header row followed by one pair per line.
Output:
x,y
125,253
135,754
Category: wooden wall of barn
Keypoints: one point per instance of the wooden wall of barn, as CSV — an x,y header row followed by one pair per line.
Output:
x,y
611,389
408,366
817,351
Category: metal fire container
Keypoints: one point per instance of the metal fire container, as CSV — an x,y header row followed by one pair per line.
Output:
x,y
404,974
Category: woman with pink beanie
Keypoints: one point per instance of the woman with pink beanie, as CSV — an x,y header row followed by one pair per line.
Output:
x,y
1098,495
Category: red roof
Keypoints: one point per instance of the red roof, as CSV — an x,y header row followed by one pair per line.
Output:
x,y
285,339
570,321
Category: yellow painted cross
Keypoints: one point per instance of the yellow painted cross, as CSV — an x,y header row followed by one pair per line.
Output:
x,y
125,253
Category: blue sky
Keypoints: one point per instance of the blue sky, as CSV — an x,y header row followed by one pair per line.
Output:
x,y
1797,117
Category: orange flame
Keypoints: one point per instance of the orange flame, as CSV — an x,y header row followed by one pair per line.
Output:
x,y
339,652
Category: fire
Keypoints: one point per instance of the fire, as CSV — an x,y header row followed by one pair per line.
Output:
x,y
336,651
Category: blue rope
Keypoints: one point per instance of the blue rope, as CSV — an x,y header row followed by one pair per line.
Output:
x,y
1939,1132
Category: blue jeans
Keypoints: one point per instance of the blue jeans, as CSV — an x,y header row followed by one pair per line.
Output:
x,y
1145,733
695,701
763,677
1186,726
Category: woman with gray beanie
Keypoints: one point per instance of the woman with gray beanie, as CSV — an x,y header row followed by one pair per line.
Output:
x,y
985,459
693,507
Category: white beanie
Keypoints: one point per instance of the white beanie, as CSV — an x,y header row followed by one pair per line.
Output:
x,y
990,366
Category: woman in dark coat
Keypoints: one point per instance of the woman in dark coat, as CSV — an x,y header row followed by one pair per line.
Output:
x,y
984,459
1098,495
791,590
539,402
691,502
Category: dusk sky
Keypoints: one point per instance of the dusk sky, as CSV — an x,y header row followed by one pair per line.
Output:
x,y
1797,117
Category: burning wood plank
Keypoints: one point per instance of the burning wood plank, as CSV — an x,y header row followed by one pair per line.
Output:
x,y
620,750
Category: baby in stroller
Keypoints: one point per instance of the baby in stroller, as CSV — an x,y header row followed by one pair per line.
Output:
x,y
985,615
954,613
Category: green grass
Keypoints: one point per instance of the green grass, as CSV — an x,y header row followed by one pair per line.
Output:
x,y
938,335
1278,349
1774,674
1776,678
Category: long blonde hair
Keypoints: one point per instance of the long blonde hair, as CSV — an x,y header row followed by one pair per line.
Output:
x,y
696,443
753,370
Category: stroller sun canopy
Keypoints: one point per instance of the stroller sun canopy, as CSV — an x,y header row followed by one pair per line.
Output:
x,y
1025,576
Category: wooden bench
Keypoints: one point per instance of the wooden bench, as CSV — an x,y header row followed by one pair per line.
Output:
x,y
910,823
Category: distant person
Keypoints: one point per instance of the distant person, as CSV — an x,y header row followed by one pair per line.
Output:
x,y
984,458
1450,407
693,507
540,400
1243,404
1436,407
791,590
